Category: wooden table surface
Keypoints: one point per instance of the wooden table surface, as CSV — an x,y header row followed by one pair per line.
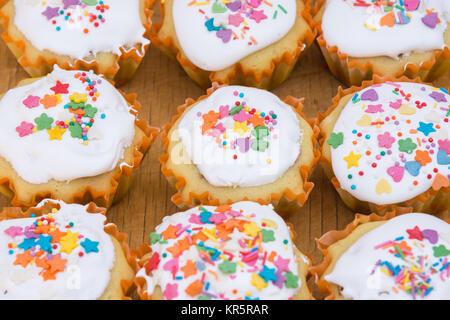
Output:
x,y
161,86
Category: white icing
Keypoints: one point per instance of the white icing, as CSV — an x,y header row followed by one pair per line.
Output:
x,y
394,179
343,26
252,168
37,159
354,269
84,277
207,51
224,285
122,27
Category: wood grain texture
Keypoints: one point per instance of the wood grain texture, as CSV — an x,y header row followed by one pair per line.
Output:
x,y
161,86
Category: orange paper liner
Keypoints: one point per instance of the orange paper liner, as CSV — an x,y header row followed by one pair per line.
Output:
x,y
278,72
145,249
205,198
350,71
418,202
9,213
123,69
89,194
332,237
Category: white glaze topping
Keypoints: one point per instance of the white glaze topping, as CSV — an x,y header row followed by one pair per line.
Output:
x,y
241,136
57,261
384,30
79,29
391,142
40,139
215,36
242,251
405,258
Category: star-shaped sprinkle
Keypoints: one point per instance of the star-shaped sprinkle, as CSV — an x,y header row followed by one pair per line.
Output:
x,y
23,259
57,235
57,264
258,282
189,269
170,233
268,274
336,139
89,245
268,235
155,237
56,133
291,280
209,121
26,244
227,267
44,242
69,3
241,128
282,264
415,233
69,242
426,128
352,160
60,88
50,12
251,229
258,15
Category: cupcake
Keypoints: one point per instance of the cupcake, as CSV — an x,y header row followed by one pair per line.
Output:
x,y
362,38
69,136
387,144
242,251
59,251
109,37
240,143
244,42
403,257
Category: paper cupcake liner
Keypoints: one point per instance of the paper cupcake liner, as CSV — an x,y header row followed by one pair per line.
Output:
x,y
120,181
284,203
435,199
120,71
9,213
280,69
328,289
142,255
352,71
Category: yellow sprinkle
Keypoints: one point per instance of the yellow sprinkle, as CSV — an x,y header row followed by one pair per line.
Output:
x,y
385,271
416,269
206,232
370,27
240,264
269,161
54,210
